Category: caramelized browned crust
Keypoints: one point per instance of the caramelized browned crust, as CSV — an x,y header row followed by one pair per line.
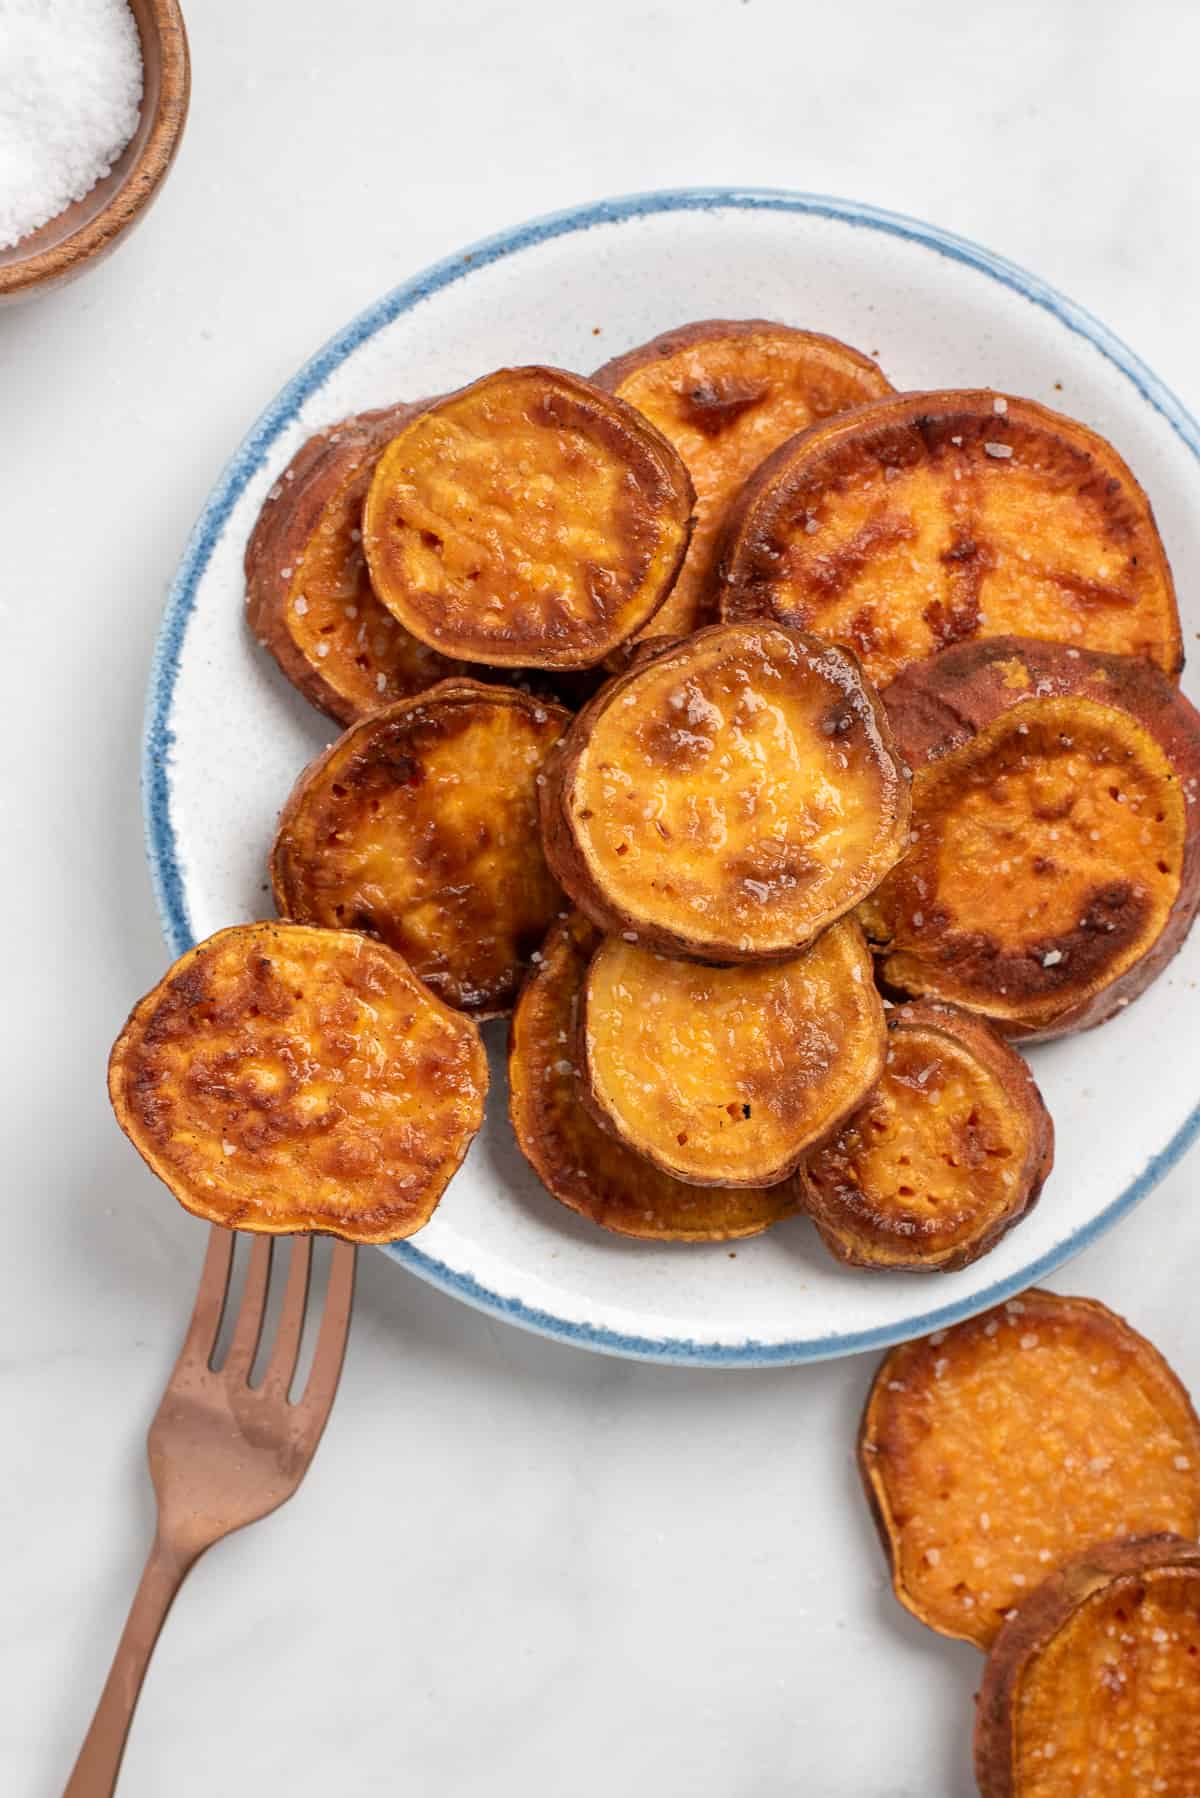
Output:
x,y
728,1076
949,1152
529,520
938,518
1094,1684
419,826
308,594
727,392
1055,859
728,797
281,1079
582,1165
991,1451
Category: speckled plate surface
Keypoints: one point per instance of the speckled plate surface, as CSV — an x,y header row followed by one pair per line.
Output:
x,y
225,735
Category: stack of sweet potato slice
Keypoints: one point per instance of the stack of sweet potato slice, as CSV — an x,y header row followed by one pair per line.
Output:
x,y
880,763
1035,1478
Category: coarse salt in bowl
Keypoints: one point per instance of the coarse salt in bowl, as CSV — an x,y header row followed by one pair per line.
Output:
x,y
109,115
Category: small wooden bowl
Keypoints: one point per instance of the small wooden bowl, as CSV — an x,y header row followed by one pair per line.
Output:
x,y
88,229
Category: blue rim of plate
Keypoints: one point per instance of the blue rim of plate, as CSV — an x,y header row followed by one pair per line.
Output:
x,y
158,737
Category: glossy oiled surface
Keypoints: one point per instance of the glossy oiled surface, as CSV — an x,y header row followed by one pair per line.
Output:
x,y
727,393
1111,1706
309,595
724,1076
937,518
280,1079
529,519
1047,855
994,1451
730,798
946,1154
584,1166
420,826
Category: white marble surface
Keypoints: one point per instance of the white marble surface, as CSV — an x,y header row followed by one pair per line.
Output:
x,y
515,1568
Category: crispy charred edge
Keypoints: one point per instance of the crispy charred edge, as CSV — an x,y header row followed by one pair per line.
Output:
x,y
567,862
874,1485
612,373
988,1047
131,1032
283,528
1039,1618
620,427
458,690
573,939
615,1126
932,418
940,705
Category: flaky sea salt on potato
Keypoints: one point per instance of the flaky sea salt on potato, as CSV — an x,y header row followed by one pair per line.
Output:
x,y
728,1076
1092,1689
419,826
583,1166
950,1150
283,1079
993,1452
727,392
728,797
309,599
529,520
930,519
1054,862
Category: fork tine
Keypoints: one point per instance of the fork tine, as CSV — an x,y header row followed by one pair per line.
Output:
x,y
313,1408
205,1322
248,1328
281,1368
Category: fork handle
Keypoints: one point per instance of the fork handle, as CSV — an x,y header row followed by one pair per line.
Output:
x,y
96,1770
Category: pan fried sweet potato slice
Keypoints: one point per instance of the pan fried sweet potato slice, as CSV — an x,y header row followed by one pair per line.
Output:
x,y
1093,1689
529,520
727,392
948,1153
993,1451
1055,859
281,1079
937,518
728,797
727,1076
308,594
419,826
584,1166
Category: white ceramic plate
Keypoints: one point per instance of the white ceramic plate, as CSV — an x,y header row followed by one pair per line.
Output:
x,y
225,735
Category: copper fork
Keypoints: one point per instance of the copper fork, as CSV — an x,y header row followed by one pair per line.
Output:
x,y
223,1453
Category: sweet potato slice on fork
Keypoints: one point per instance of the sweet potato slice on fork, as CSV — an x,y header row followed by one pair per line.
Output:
x,y
283,1079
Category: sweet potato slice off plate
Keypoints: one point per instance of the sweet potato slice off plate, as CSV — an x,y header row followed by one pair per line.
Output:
x,y
573,297
1092,1690
993,1451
